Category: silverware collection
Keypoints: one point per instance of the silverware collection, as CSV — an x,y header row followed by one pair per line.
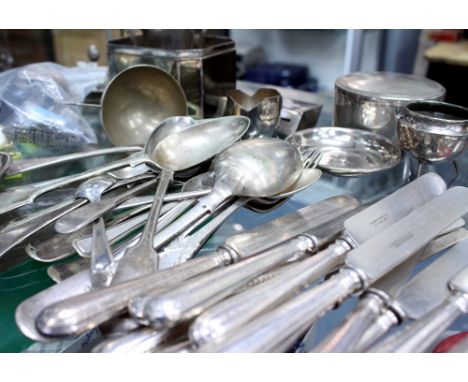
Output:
x,y
139,222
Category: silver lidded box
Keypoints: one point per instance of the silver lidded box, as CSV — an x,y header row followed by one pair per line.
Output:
x,y
371,101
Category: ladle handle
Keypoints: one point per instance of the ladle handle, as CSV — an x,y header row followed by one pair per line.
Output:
x,y
122,229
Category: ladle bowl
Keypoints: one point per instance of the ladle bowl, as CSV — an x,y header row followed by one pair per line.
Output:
x,y
138,99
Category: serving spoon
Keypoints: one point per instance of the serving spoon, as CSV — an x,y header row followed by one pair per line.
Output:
x,y
253,168
179,150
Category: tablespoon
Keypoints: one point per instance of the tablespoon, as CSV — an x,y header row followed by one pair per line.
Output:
x,y
251,168
178,151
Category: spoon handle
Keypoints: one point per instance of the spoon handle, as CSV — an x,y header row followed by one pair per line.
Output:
x,y
37,163
21,232
87,214
102,260
155,210
205,205
83,244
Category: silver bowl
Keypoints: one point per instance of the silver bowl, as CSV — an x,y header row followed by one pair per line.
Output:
x,y
433,132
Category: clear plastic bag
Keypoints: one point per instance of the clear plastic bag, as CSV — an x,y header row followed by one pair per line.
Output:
x,y
35,105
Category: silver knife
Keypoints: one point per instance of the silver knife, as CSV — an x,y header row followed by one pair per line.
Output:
x,y
178,304
227,316
276,330
91,309
194,296
449,301
351,335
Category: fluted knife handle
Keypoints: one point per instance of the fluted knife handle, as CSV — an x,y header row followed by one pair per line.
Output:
x,y
78,314
387,320
236,311
183,303
419,336
275,330
346,337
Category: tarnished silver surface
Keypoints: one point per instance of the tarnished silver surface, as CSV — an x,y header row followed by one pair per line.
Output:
x,y
348,152
433,132
136,100
263,108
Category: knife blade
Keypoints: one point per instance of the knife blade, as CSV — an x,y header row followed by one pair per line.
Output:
x,y
274,330
350,336
91,309
168,308
421,334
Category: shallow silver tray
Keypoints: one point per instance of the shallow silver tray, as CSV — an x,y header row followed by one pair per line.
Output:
x,y
349,152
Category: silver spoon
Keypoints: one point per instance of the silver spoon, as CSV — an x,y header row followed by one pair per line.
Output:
x,y
17,232
190,189
252,168
178,151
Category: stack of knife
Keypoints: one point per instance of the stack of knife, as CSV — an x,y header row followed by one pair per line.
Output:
x,y
263,289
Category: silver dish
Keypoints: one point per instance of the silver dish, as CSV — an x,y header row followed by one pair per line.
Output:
x,y
348,152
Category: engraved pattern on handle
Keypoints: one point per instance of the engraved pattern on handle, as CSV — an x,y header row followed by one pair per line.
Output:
x,y
276,329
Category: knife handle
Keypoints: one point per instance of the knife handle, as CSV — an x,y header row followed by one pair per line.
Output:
x,y
231,314
78,314
345,338
188,300
384,322
420,335
276,329
141,340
